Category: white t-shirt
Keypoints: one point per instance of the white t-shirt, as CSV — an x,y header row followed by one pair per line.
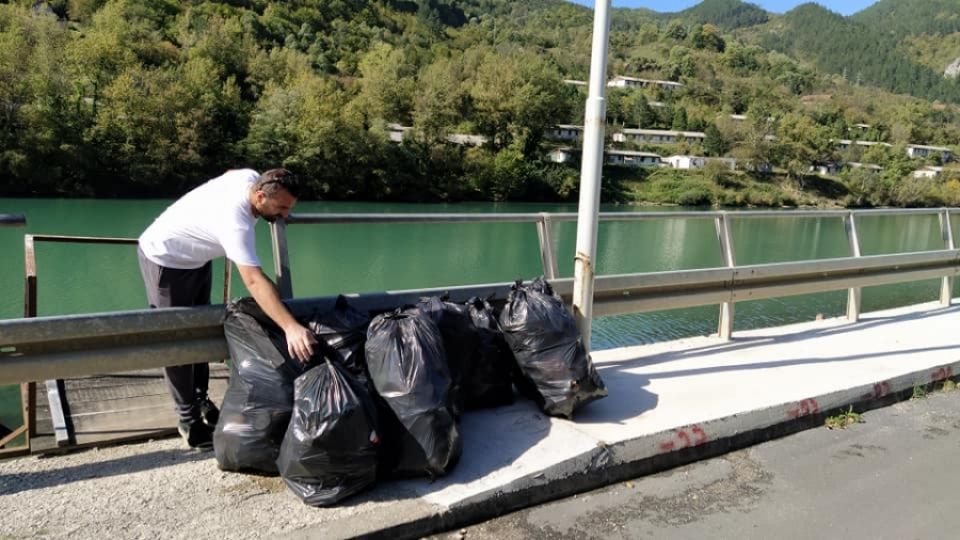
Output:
x,y
213,220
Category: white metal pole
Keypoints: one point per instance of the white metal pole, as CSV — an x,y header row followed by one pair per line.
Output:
x,y
590,171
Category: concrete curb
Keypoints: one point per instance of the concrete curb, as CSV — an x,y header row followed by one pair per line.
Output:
x,y
637,457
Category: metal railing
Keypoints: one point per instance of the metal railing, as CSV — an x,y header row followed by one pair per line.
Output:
x,y
66,346
17,220
545,222
56,393
12,220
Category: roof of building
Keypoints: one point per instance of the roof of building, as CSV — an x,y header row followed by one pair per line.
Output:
x,y
664,132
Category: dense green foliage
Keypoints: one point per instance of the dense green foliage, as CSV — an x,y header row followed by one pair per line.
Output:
x,y
901,18
151,97
867,52
727,14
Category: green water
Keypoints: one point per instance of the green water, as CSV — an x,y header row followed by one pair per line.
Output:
x,y
330,259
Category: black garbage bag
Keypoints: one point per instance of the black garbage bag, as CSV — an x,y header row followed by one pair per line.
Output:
x,y
489,384
330,449
405,358
461,344
344,330
259,398
546,343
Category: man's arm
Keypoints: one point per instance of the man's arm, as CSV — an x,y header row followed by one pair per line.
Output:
x,y
300,341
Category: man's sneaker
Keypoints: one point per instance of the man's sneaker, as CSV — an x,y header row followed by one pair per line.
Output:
x,y
209,412
196,434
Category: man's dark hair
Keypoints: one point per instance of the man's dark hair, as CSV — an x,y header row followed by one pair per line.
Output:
x,y
273,180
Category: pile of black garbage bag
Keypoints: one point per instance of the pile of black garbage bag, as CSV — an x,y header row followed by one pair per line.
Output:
x,y
381,397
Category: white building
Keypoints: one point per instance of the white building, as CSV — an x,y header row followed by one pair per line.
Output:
x,y
868,166
843,144
564,154
633,82
827,168
686,162
923,151
565,132
698,162
928,172
630,158
661,136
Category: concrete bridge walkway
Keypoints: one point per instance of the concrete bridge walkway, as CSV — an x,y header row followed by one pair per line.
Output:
x,y
669,403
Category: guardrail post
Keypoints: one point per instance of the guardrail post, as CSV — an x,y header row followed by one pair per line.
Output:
x,y
854,294
56,391
227,278
281,258
722,223
946,231
547,257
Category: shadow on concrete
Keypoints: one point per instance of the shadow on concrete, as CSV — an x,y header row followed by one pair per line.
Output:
x,y
494,439
742,343
630,364
16,483
627,397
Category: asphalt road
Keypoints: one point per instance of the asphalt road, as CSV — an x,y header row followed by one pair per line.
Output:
x,y
893,476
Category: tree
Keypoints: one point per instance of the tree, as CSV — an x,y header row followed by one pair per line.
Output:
x,y
440,99
677,30
387,85
679,118
707,36
516,96
714,143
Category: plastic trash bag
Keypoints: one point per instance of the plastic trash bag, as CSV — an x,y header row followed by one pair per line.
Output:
x,y
259,398
330,449
461,344
405,358
546,343
344,330
489,383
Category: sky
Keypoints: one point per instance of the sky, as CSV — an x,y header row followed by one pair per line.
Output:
x,y
843,7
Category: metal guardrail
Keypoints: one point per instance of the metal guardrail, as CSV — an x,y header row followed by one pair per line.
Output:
x,y
57,398
50,347
17,220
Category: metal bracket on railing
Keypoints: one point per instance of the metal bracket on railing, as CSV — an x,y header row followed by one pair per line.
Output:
x,y
547,256
722,223
946,231
12,220
854,294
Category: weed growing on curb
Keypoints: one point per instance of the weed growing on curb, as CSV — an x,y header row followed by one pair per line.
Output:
x,y
949,385
844,419
919,391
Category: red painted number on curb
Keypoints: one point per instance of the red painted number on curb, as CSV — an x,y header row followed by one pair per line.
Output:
x,y
685,438
941,374
804,408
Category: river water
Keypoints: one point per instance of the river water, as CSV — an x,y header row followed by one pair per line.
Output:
x,y
330,259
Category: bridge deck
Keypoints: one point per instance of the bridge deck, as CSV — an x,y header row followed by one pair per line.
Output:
x,y
669,403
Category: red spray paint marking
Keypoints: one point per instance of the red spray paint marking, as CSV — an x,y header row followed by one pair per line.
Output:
x,y
880,390
941,374
804,408
685,438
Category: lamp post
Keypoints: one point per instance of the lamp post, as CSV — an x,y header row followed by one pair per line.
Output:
x,y
590,173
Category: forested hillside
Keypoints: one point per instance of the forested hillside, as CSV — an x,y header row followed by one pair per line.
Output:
x,y
452,100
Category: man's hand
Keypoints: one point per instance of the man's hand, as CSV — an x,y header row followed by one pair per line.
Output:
x,y
300,342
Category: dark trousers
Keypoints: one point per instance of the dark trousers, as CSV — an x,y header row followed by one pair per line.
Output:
x,y
171,287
